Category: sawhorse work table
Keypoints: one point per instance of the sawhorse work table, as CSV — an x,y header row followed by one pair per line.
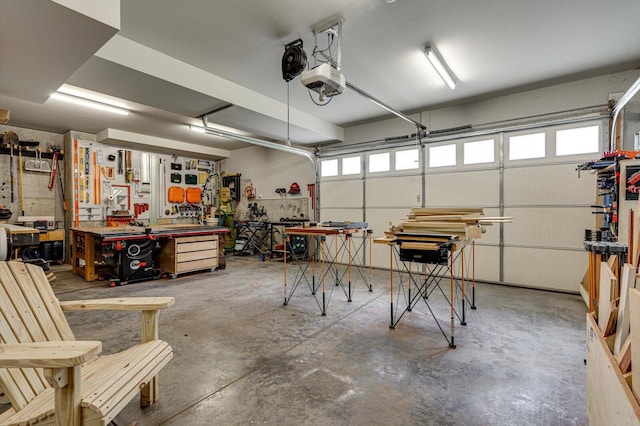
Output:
x,y
330,255
436,264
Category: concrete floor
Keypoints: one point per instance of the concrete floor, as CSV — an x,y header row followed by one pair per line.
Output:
x,y
241,357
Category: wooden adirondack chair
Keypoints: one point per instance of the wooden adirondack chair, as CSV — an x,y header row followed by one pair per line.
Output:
x,y
49,377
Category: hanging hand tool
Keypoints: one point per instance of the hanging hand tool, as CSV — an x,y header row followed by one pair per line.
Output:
x,y
76,212
120,165
11,138
87,173
54,169
55,166
128,167
21,179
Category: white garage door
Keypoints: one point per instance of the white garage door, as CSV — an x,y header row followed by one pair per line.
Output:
x,y
528,174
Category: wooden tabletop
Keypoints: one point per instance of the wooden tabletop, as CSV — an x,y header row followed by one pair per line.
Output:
x,y
319,230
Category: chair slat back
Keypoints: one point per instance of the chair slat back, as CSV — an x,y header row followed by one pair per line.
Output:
x,y
29,312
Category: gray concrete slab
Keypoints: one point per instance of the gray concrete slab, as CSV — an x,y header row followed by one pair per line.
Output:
x,y
241,357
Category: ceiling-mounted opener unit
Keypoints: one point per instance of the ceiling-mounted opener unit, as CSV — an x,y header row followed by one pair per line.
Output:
x,y
325,77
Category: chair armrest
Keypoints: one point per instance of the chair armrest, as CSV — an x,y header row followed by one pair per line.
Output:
x,y
58,354
119,304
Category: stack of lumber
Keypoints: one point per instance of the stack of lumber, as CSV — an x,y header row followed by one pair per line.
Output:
x,y
613,311
613,365
457,223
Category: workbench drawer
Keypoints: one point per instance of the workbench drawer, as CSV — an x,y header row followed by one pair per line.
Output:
x,y
197,255
53,235
188,254
196,265
195,246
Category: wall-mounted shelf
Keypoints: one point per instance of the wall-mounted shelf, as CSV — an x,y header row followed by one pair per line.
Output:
x,y
29,153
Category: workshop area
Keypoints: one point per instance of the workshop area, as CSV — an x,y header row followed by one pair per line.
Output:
x,y
302,212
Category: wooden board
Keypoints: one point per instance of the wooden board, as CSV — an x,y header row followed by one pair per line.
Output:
x,y
424,211
49,354
624,358
610,401
119,304
627,281
610,329
420,246
634,315
607,284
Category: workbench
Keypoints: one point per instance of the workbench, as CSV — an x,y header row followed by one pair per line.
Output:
x,y
17,236
324,259
423,267
181,248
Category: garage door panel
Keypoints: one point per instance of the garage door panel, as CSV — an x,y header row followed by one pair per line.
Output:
x,y
340,215
550,184
470,189
544,268
394,191
492,232
378,220
487,263
347,193
553,227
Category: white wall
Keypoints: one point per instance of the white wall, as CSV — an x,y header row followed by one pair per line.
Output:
x,y
269,169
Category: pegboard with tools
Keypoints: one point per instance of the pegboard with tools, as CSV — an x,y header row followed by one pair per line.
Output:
x,y
28,183
118,186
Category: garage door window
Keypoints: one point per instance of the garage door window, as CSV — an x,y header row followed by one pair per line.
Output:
x,y
351,165
407,160
582,140
442,156
329,168
479,152
379,162
527,146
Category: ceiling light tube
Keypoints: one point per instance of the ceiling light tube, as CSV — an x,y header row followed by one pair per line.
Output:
x,y
253,141
439,65
88,103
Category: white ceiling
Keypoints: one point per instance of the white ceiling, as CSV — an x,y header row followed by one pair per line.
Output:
x,y
172,60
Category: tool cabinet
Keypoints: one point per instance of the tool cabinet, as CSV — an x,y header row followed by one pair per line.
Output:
x,y
188,254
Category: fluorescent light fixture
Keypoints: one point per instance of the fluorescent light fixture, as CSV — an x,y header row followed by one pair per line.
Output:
x,y
79,92
437,62
88,103
254,141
